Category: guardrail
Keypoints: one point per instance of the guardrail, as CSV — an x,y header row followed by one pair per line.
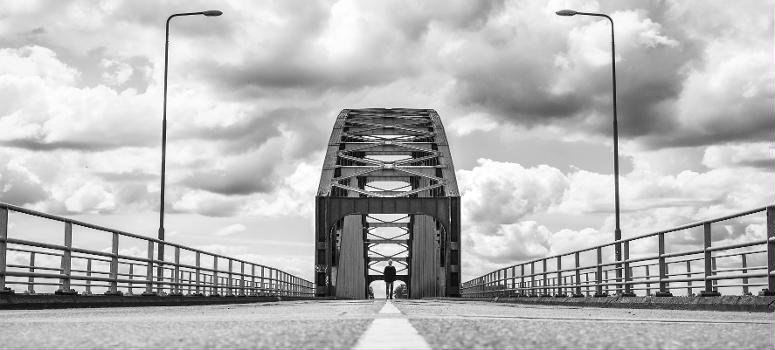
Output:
x,y
198,273
743,265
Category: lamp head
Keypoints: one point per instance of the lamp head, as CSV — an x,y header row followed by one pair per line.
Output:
x,y
566,13
212,13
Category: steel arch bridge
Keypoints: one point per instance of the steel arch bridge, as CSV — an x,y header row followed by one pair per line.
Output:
x,y
387,192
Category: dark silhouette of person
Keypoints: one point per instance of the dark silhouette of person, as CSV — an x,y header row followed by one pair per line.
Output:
x,y
389,275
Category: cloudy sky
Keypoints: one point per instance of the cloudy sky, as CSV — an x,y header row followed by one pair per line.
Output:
x,y
524,94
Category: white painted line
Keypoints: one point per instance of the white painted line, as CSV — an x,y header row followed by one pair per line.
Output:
x,y
391,333
389,308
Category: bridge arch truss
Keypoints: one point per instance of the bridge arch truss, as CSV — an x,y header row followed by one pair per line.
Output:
x,y
387,181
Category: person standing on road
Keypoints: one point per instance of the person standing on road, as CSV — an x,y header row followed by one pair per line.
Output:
x,y
389,275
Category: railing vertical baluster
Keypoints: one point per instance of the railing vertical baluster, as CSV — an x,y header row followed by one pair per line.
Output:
x,y
113,288
648,279
627,272
66,261
688,275
663,287
745,271
31,279
131,277
198,284
599,274
149,271
605,278
713,267
708,262
88,274
175,289
770,252
188,283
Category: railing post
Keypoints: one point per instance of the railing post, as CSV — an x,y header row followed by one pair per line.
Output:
x,y
663,290
3,249
175,290
545,282
252,279
560,293
532,278
229,289
263,290
242,279
586,280
745,271
770,291
522,280
708,261
215,277
31,279
513,280
577,290
198,290
149,272
88,274
599,274
113,287
66,262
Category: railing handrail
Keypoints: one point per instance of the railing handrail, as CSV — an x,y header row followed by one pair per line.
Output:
x,y
62,219
624,240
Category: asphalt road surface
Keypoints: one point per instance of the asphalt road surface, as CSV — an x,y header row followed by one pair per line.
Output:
x,y
402,324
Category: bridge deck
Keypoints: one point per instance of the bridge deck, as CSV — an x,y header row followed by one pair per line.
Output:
x,y
338,324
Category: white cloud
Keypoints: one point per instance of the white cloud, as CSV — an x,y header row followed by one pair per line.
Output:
x,y
230,230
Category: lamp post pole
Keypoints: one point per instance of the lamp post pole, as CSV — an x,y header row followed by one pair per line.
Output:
x,y
209,13
617,229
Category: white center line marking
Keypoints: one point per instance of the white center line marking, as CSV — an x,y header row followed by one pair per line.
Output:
x,y
391,333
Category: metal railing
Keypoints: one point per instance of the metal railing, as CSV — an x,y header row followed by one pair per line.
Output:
x,y
198,273
730,267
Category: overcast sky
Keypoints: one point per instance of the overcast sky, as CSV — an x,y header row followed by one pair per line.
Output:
x,y
524,95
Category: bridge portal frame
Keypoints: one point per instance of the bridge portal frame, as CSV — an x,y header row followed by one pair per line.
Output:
x,y
331,209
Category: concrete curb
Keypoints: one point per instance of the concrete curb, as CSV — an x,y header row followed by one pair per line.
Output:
x,y
722,303
51,301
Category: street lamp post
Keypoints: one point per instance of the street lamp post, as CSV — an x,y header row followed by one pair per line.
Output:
x,y
209,13
617,230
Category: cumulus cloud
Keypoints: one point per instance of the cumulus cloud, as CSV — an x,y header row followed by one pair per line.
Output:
x,y
253,95
498,192
498,228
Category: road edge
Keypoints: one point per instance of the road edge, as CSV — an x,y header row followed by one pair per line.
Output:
x,y
721,303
